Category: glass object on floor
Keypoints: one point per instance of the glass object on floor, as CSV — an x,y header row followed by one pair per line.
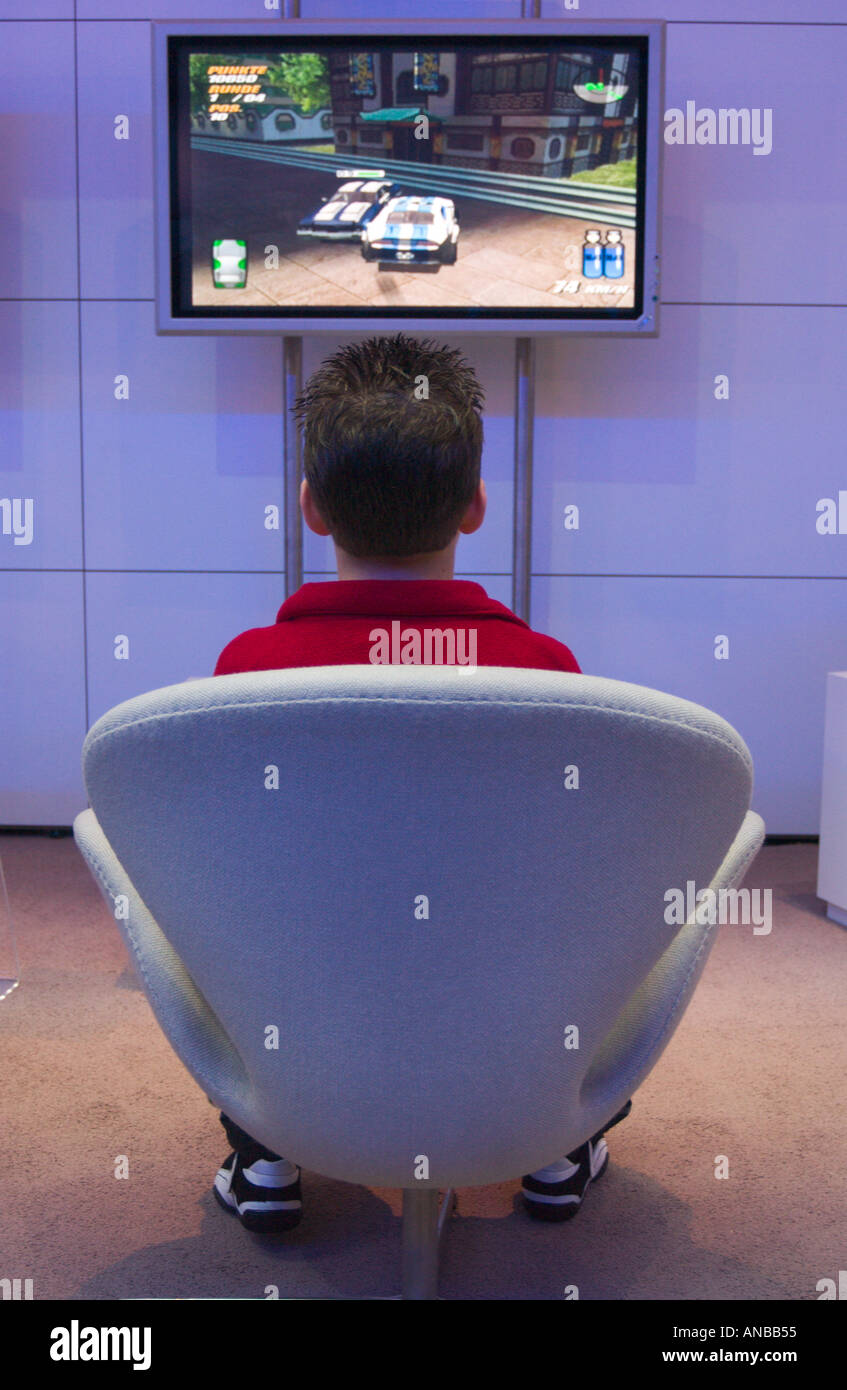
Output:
x,y
9,967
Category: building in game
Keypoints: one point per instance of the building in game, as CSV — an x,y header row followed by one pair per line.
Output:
x,y
540,113
277,120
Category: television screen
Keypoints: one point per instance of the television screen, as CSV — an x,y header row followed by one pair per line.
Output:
x,y
311,175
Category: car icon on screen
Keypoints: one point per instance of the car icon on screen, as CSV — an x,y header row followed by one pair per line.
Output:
x,y
229,264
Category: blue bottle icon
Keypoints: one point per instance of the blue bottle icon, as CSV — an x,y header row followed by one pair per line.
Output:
x,y
613,255
592,255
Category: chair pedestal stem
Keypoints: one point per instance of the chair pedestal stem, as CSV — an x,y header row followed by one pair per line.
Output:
x,y
421,1232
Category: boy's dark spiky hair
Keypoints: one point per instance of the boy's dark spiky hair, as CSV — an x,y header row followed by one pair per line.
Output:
x,y
392,443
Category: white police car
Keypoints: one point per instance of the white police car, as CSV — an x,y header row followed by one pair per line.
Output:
x,y
413,230
344,214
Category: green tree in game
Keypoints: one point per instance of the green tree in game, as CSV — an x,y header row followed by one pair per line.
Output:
x,y
304,77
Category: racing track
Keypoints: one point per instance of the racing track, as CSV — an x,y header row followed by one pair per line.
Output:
x,y
508,255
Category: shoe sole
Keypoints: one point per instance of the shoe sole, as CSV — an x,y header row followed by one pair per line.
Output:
x,y
564,1211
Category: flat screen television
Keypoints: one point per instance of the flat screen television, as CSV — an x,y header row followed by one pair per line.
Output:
x,y
470,175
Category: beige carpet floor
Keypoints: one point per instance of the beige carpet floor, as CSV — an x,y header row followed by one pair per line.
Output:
x,y
756,1072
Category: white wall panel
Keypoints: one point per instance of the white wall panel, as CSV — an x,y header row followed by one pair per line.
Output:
x,y
38,238
213,10
37,9
178,476
742,228
256,10
411,9
670,480
784,636
39,435
42,698
707,11
115,176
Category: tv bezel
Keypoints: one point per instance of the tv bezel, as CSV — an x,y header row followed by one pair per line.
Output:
x,y
477,319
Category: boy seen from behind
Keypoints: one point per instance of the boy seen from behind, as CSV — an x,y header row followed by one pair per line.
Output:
x,y
392,448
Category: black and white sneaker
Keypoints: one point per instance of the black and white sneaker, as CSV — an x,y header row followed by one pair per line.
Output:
x,y
555,1193
265,1195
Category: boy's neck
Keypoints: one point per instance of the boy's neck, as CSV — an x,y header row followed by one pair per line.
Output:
x,y
439,565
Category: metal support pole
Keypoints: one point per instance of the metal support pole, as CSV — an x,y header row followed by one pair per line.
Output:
x,y
292,350
522,510
524,411
420,1243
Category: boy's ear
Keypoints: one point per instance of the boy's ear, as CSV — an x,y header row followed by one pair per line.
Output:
x,y
311,515
475,515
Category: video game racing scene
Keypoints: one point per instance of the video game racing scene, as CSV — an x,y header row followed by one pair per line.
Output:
x,y
498,175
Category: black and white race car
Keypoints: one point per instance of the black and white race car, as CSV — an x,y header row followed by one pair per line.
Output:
x,y
413,229
344,214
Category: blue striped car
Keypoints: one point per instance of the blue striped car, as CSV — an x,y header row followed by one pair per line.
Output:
x,y
413,230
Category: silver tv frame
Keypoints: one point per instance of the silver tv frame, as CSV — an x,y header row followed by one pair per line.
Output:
x,y
646,325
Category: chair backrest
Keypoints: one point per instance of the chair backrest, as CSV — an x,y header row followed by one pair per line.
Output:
x,y
424,879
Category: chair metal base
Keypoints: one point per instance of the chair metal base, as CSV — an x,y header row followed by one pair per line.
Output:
x,y
424,1225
